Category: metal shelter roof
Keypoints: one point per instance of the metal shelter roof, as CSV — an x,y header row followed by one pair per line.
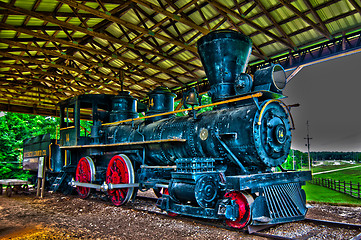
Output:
x,y
55,49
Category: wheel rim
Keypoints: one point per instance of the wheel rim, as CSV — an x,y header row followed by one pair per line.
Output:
x,y
120,171
244,212
84,173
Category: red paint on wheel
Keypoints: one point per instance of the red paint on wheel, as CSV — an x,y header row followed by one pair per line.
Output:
x,y
117,173
83,174
244,213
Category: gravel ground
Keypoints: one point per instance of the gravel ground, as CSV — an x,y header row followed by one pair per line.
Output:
x,y
68,217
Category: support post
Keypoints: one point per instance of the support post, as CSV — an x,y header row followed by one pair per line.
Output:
x,y
41,176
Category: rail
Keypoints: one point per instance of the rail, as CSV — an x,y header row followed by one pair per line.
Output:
x,y
349,188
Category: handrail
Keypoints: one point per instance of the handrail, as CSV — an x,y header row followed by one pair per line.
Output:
x,y
256,95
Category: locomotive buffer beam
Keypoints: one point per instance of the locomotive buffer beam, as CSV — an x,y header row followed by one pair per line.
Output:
x,y
257,181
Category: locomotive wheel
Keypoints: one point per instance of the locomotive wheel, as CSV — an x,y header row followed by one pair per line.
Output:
x,y
120,170
85,173
244,211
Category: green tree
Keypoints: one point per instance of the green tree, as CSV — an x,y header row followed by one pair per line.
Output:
x,y
14,128
298,157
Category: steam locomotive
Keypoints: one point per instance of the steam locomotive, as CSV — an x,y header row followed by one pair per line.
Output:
x,y
217,164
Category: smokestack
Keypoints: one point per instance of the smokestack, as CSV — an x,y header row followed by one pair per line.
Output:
x,y
224,55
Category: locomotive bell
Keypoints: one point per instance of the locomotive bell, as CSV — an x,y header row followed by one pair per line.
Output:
x,y
192,98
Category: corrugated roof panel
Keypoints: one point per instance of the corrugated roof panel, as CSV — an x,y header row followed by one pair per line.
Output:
x,y
281,14
35,22
15,20
7,34
345,13
23,35
300,5
273,48
269,3
130,17
45,5
304,38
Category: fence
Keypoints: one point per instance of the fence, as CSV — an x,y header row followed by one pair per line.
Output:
x,y
349,188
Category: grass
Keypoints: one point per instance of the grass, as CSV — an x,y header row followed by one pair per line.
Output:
x,y
328,167
315,193
353,174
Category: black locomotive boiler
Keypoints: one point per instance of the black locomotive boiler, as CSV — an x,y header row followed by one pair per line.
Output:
x,y
217,164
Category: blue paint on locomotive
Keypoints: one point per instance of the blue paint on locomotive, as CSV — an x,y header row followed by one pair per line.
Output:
x,y
216,164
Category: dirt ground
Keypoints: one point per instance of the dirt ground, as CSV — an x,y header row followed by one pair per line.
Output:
x,y
69,217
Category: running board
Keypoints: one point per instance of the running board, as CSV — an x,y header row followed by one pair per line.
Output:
x,y
174,140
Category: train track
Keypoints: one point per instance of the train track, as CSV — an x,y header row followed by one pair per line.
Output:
x,y
311,228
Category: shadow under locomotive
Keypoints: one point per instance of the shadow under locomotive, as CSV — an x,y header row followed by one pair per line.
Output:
x,y
217,164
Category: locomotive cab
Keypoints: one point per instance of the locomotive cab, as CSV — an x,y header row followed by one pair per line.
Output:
x,y
79,114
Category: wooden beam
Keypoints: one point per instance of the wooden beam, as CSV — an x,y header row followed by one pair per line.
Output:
x,y
65,76
170,15
24,108
53,64
127,24
10,78
248,22
260,53
275,23
91,64
26,95
356,6
52,14
86,31
315,15
85,48
305,18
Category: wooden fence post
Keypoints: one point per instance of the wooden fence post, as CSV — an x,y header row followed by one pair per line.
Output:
x,y
332,184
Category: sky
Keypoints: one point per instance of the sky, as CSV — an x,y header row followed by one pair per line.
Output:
x,y
329,95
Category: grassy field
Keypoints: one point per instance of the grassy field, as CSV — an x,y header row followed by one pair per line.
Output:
x,y
317,193
353,174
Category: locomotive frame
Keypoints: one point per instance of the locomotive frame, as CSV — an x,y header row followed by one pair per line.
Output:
x,y
215,165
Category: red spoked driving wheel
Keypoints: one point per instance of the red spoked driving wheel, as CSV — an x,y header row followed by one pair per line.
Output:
x,y
244,211
120,171
85,173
